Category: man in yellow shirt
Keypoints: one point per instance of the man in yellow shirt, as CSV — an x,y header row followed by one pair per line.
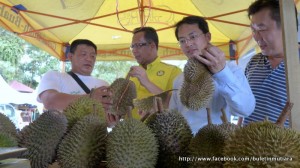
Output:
x,y
152,76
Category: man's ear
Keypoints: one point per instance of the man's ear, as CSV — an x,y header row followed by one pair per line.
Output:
x,y
208,36
152,44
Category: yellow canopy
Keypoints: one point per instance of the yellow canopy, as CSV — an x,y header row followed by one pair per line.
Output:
x,y
53,25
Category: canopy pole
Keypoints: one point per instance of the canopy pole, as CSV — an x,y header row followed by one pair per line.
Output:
x,y
141,12
292,60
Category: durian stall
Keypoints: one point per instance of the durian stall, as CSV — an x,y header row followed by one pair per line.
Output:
x,y
78,137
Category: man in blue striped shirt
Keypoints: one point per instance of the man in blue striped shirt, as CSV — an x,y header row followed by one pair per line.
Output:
x,y
266,71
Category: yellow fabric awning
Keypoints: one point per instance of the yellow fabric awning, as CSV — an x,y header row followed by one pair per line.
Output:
x,y
52,25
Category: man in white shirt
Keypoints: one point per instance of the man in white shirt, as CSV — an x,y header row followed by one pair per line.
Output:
x,y
232,91
57,90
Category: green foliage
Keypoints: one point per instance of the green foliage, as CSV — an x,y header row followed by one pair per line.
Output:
x,y
110,70
35,65
22,61
10,46
7,70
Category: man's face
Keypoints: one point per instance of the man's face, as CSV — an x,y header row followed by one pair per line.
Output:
x,y
267,34
192,40
83,59
141,49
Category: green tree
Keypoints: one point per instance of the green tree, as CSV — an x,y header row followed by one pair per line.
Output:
x,y
37,63
22,61
11,47
110,70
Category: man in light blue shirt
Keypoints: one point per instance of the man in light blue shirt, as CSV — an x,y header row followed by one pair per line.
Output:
x,y
232,91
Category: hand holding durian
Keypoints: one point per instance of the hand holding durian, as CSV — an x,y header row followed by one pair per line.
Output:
x,y
102,94
212,57
116,99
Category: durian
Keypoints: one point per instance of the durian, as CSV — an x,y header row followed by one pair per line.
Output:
x,y
193,70
84,145
131,144
198,85
41,138
146,104
123,93
173,134
8,132
263,140
7,140
82,107
263,144
6,125
210,141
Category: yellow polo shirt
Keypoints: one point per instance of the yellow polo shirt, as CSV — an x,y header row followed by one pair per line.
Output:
x,y
159,73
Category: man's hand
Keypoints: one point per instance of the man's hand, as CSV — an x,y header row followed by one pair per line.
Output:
x,y
213,58
103,94
140,73
111,120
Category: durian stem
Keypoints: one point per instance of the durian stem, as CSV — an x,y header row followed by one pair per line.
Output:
x,y
240,121
285,113
208,116
145,117
129,114
224,116
159,105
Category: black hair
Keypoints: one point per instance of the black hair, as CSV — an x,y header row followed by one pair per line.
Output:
x,y
150,34
274,7
200,21
77,42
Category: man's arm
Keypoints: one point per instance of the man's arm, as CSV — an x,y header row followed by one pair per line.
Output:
x,y
236,91
232,82
141,75
53,99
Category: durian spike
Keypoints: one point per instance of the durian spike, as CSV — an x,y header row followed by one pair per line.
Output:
x,y
284,114
208,116
240,121
224,116
160,106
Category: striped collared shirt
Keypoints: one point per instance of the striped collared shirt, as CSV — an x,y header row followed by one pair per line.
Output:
x,y
269,88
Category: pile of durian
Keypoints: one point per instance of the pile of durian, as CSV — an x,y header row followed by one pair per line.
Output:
x,y
78,138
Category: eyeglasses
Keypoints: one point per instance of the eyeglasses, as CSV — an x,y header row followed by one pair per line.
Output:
x,y
138,45
191,38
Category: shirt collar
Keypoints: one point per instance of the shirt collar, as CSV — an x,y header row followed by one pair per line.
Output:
x,y
157,60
